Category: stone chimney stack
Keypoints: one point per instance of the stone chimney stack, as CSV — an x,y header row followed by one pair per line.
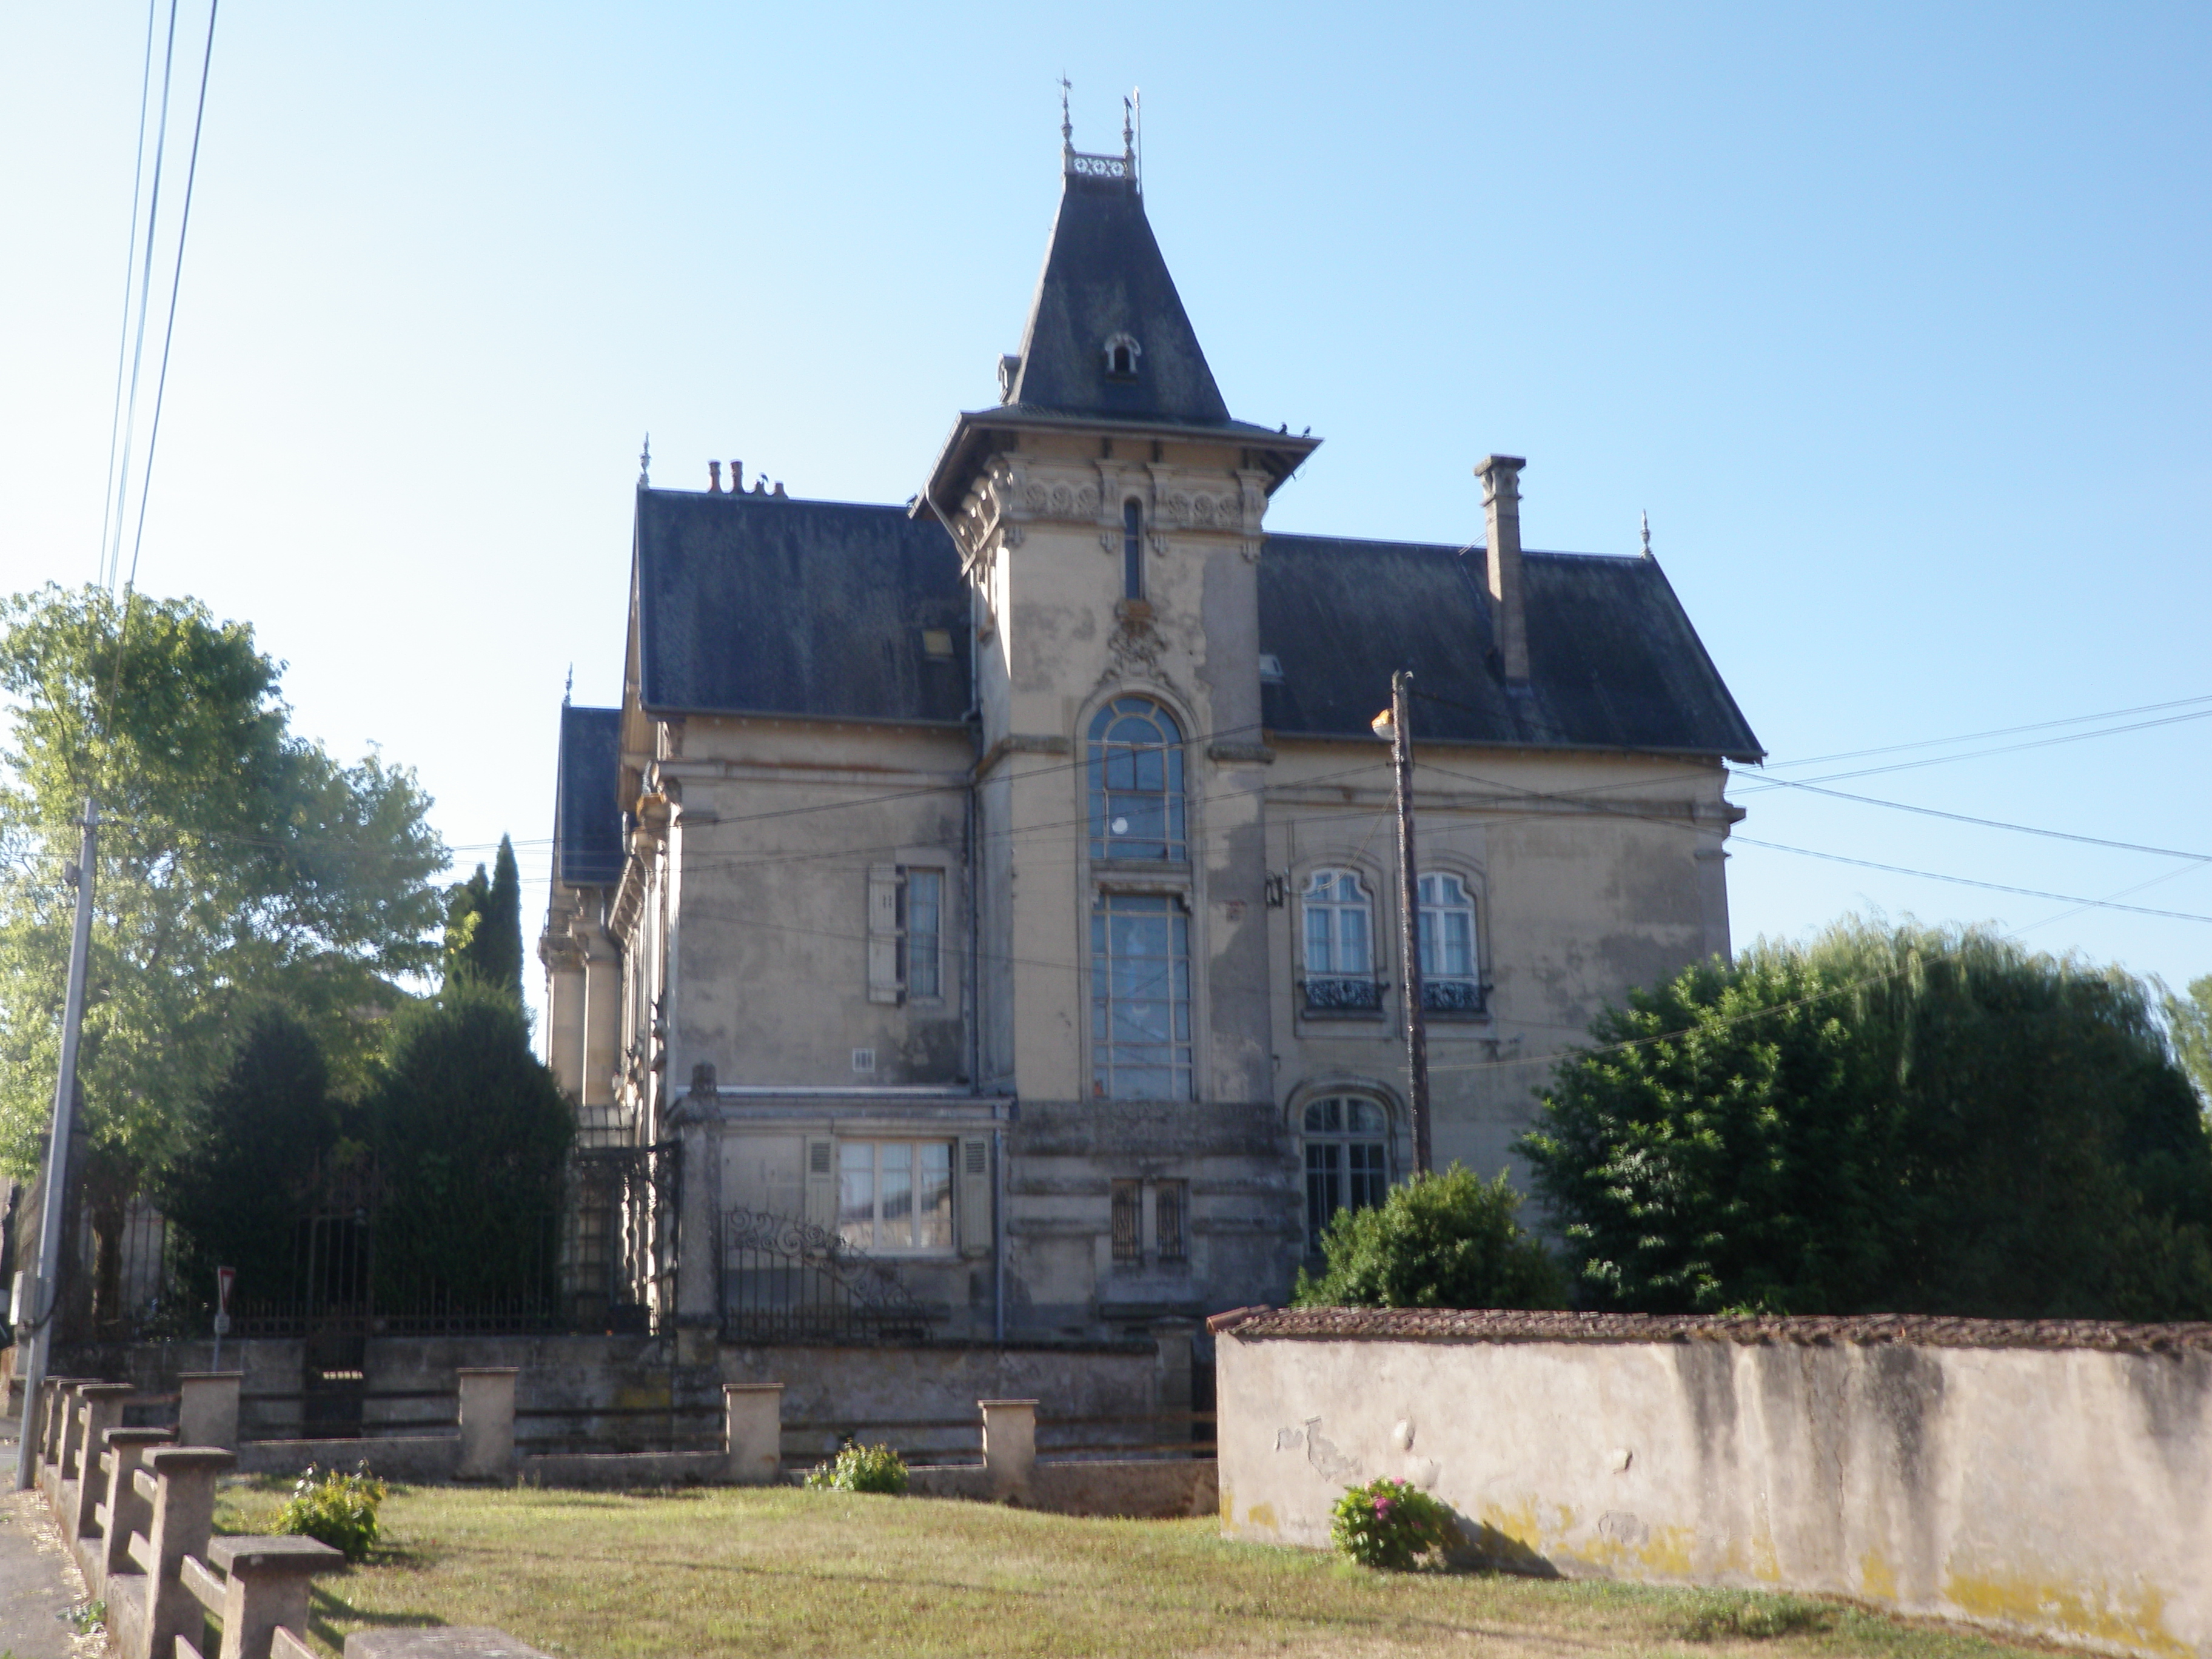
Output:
x,y
1501,511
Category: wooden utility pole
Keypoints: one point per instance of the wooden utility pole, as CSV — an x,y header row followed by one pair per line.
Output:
x,y
1409,921
36,1298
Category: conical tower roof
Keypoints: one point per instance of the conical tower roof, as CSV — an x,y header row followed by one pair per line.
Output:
x,y
1108,335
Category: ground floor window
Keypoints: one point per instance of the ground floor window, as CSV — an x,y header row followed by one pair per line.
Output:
x,y
1348,1142
895,1195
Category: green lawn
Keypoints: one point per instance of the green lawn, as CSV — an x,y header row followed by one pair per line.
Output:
x,y
691,1574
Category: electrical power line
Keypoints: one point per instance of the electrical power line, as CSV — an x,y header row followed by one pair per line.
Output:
x,y
1971,881
1998,732
1998,823
115,421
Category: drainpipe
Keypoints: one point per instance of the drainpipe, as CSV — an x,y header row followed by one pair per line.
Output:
x,y
999,1235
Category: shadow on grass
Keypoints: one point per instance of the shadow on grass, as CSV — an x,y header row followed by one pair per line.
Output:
x,y
325,1607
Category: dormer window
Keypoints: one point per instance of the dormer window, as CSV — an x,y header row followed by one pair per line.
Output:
x,y
1121,354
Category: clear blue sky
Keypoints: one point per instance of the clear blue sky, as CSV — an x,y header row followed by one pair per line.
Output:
x,y
1894,317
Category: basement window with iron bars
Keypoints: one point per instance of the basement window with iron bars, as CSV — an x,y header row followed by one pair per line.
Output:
x,y
1170,1241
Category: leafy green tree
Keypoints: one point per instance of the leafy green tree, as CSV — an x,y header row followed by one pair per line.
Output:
x,y
472,1134
2189,1023
464,908
483,925
1437,1240
1887,1119
267,1129
241,866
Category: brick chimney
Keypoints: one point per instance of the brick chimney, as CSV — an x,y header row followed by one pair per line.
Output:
x,y
1501,511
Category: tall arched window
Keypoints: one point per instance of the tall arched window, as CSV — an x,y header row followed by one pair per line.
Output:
x,y
1347,1147
1136,782
1449,981
1132,550
1339,957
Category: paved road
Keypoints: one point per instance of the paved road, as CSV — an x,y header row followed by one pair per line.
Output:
x,y
37,1579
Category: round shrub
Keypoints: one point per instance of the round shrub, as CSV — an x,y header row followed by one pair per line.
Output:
x,y
1391,1525
1447,1240
335,1509
861,1468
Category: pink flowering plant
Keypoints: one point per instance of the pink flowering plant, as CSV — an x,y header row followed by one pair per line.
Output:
x,y
1393,1525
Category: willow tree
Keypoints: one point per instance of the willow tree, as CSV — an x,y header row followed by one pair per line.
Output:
x,y
241,866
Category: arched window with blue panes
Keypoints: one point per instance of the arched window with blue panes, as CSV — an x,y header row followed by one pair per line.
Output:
x,y
1136,773
1451,980
1338,917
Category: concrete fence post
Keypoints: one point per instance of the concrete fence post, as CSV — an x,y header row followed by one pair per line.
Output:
x,y
207,1409
487,1422
752,1431
1009,1445
68,1429
184,1513
101,1410
265,1587
125,1509
49,1391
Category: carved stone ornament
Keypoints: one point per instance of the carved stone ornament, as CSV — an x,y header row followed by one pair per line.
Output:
x,y
1136,644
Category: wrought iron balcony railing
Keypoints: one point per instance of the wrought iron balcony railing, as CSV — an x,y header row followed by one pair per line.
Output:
x,y
1451,996
1343,994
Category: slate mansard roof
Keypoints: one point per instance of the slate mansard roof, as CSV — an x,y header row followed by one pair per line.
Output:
x,y
1612,661
763,605
587,818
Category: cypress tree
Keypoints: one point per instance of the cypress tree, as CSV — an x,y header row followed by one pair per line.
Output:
x,y
500,933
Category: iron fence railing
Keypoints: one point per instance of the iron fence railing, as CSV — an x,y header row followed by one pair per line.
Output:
x,y
606,1263
787,1280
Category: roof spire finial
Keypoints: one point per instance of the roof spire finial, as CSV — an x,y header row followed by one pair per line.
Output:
x,y
1067,122
1128,138
569,690
644,463
1647,535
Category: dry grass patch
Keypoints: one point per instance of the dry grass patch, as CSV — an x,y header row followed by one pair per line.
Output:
x,y
686,1575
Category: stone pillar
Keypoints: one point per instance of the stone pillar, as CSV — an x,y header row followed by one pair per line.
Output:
x,y
487,1422
1009,1445
698,1289
207,1410
126,1510
602,1018
564,1011
184,1513
265,1585
101,1410
752,1431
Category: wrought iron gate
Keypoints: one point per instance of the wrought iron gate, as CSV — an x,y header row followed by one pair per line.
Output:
x,y
786,1281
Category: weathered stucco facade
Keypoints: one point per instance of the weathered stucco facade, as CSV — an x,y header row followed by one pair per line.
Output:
x,y
1007,882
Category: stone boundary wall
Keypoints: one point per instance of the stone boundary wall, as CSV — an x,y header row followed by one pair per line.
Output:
x,y
2049,1479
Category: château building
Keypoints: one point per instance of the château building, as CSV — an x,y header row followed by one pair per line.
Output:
x,y
1005,883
